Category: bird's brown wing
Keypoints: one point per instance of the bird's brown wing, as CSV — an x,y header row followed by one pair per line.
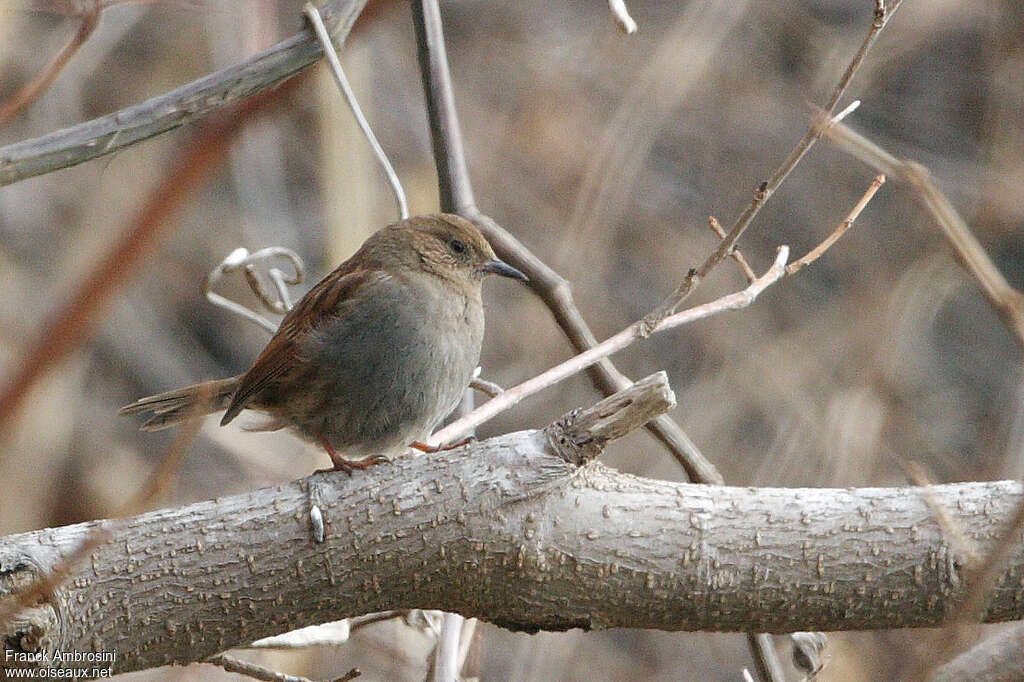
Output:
x,y
323,301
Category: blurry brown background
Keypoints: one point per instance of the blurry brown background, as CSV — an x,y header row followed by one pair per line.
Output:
x,y
603,153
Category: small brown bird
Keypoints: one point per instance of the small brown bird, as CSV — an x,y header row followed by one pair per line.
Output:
x,y
374,356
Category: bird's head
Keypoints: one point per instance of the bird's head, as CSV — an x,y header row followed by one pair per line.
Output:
x,y
442,244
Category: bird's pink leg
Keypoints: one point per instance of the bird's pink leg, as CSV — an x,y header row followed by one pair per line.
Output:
x,y
347,465
423,447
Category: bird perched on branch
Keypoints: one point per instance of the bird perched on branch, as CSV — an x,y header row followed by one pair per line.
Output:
x,y
374,356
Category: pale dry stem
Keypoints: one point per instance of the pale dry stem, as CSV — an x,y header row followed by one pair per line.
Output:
x,y
819,250
614,344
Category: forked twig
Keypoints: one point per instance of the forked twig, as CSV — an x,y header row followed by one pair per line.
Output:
x,y
766,189
734,253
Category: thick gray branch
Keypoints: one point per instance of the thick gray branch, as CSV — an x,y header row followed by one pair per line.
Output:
x,y
100,136
511,531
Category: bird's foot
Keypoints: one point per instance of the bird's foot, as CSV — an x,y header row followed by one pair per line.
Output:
x,y
423,447
348,465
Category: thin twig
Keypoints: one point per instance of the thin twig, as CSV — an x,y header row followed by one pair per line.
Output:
x,y
614,344
313,14
27,93
764,192
488,388
816,253
371,618
259,672
327,634
735,254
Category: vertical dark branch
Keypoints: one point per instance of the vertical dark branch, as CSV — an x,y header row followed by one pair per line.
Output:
x,y
457,195
452,176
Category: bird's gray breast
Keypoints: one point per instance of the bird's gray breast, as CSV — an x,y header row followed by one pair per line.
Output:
x,y
393,364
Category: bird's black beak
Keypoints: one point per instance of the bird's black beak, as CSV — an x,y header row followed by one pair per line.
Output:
x,y
500,267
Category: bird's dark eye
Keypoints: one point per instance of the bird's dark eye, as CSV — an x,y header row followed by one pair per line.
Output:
x,y
457,246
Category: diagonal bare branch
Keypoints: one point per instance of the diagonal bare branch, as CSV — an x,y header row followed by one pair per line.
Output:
x,y
457,195
110,133
612,344
883,13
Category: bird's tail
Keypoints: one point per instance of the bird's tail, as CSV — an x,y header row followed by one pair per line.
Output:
x,y
174,407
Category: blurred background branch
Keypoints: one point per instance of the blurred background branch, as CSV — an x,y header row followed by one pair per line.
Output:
x,y
88,15
110,133
72,322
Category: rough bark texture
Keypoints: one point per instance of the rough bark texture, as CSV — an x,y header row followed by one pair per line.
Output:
x,y
508,531
524,530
